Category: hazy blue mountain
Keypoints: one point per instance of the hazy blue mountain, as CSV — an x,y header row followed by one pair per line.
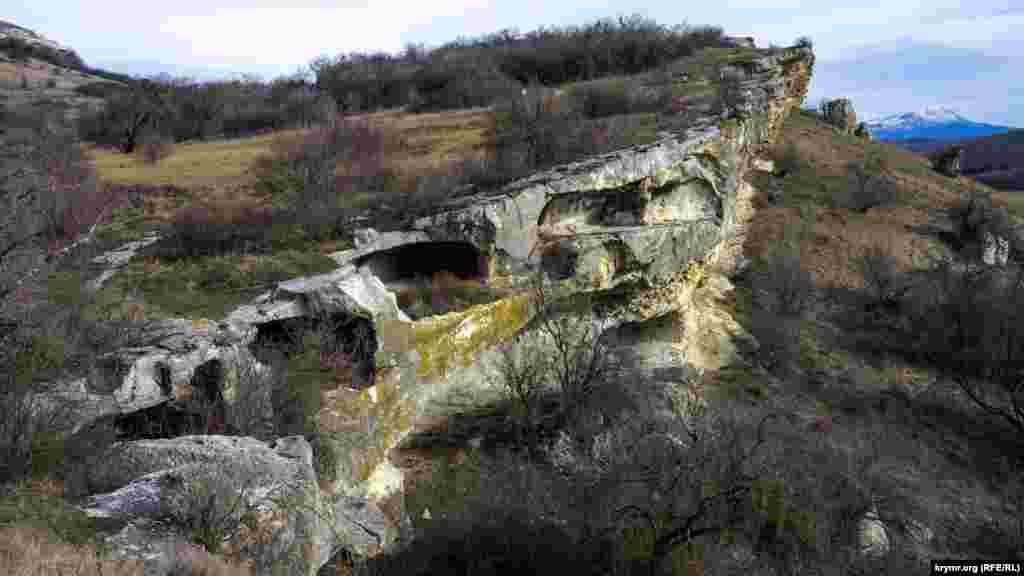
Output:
x,y
936,123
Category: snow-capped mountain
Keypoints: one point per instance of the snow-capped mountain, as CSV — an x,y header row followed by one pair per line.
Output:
x,y
935,123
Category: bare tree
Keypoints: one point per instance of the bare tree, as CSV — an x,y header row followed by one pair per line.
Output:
x,y
580,360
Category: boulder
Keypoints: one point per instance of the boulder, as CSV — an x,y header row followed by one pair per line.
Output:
x,y
947,161
872,534
995,250
839,113
863,132
267,504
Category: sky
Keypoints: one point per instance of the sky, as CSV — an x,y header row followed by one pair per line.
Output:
x,y
888,56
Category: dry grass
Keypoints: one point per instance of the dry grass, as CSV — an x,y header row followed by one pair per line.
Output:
x,y
33,551
839,234
225,170
195,165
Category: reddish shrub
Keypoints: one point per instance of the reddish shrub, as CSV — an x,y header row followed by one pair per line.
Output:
x,y
822,425
207,231
153,149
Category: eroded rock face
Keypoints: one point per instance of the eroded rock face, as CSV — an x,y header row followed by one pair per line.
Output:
x,y
641,227
277,517
839,113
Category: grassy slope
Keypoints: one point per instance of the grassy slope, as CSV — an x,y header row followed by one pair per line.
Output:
x,y
942,445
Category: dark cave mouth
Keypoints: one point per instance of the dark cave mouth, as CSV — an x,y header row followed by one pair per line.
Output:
x,y
422,260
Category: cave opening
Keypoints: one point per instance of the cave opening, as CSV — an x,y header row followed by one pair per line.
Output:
x,y
425,259
201,410
347,345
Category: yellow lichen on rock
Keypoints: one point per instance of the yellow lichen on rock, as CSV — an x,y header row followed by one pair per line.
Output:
x,y
445,342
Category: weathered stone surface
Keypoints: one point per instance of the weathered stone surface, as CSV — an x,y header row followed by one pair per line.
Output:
x,y
947,161
116,259
863,132
995,250
642,227
839,113
297,527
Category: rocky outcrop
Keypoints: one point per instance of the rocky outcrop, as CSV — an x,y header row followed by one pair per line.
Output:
x,y
20,42
260,500
947,161
647,230
839,113
863,132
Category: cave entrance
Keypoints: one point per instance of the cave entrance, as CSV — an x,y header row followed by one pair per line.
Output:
x,y
348,345
201,411
424,275
425,259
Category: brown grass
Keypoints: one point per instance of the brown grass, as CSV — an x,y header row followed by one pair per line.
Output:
x,y
839,234
225,170
32,551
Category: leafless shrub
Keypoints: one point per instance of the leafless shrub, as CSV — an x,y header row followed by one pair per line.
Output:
x,y
523,370
210,507
153,148
882,278
202,230
974,216
580,359
867,187
784,285
971,330
778,338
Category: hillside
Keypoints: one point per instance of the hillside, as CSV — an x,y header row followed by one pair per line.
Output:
x,y
38,72
572,332
996,160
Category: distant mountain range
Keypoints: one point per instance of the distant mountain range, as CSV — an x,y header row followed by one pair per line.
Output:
x,y
931,124
991,154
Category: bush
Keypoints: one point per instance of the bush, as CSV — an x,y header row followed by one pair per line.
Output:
x,y
778,339
785,286
482,71
974,216
536,125
209,231
326,170
970,328
153,148
867,187
599,100
882,279
788,160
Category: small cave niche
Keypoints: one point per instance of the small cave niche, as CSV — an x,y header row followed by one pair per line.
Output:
x,y
202,413
158,422
430,278
348,345
424,259
284,336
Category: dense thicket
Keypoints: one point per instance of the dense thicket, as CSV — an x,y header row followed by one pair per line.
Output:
x,y
474,72
182,109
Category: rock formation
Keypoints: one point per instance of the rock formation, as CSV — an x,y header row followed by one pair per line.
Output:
x,y
839,113
647,230
947,160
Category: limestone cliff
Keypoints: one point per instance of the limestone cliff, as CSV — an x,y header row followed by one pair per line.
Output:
x,y
651,230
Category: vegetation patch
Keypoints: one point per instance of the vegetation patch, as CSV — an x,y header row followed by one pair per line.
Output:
x,y
210,287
